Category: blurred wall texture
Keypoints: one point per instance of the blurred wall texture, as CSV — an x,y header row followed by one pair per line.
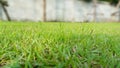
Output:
x,y
58,10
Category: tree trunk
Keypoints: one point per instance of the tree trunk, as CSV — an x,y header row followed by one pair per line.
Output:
x,y
44,10
119,10
95,10
6,12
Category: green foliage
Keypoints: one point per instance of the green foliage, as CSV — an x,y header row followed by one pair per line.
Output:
x,y
59,45
4,2
111,1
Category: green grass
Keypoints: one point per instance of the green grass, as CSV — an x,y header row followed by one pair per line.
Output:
x,y
59,45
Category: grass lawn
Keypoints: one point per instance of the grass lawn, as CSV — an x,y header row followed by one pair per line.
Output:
x,y
59,45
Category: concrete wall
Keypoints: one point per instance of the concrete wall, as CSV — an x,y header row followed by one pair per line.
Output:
x,y
57,10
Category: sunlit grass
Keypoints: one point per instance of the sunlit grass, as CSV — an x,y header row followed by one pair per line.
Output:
x,y
60,45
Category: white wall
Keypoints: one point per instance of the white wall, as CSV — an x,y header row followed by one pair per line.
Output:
x,y
25,9
61,10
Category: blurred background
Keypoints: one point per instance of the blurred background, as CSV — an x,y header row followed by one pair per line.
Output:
x,y
60,10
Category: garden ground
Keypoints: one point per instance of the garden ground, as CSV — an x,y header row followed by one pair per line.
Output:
x,y
59,45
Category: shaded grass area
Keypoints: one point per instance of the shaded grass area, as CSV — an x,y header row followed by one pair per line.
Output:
x,y
59,45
